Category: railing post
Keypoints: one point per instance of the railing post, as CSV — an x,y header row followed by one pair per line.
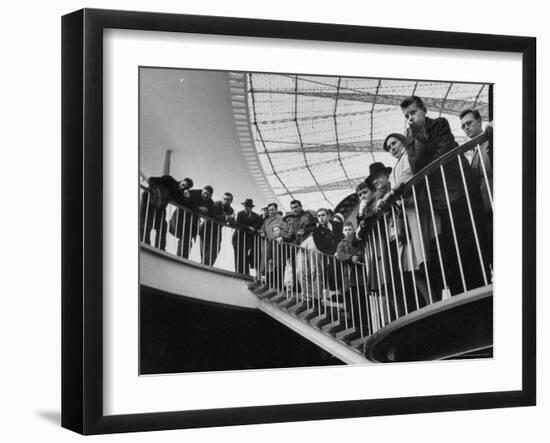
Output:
x,y
399,258
382,259
391,265
453,228
474,227
422,244
438,247
486,177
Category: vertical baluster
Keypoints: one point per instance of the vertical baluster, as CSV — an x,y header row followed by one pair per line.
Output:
x,y
319,257
192,226
422,244
358,295
324,286
178,250
369,327
238,256
372,243
409,249
453,228
399,259
383,266
351,307
438,247
374,315
338,291
344,294
210,258
474,227
154,228
391,264
146,215
486,177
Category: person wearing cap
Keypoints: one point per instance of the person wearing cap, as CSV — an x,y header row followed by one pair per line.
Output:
x,y
371,191
247,223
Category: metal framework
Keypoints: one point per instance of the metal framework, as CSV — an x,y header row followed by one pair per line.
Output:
x,y
317,135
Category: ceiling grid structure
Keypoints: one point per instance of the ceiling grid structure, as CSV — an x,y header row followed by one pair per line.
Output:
x,y
315,136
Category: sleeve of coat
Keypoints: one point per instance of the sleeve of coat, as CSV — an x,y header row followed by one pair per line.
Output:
x,y
342,252
445,140
420,153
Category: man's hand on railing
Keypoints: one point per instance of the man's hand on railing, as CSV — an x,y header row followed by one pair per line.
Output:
x,y
354,259
262,234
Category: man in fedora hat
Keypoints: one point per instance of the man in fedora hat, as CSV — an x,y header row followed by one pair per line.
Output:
x,y
247,223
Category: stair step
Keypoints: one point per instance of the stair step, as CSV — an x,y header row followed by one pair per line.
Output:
x,y
346,333
319,321
332,327
254,285
279,296
358,343
297,308
286,303
308,314
270,293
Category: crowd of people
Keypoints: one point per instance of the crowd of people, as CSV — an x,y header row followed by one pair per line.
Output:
x,y
413,244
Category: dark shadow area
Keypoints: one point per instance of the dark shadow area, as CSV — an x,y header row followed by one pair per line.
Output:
x,y
179,334
54,417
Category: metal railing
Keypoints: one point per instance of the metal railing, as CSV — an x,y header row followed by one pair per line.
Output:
x,y
189,234
431,240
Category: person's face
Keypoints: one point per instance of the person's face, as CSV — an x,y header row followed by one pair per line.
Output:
x,y
471,126
227,200
295,208
363,194
271,210
183,185
276,231
348,231
380,180
322,216
248,209
395,146
205,194
414,115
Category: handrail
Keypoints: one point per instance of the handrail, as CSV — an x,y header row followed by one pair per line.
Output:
x,y
445,158
397,276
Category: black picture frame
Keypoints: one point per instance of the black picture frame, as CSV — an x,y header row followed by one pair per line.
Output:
x,y
82,218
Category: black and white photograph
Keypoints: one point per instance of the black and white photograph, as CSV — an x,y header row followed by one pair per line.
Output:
x,y
294,220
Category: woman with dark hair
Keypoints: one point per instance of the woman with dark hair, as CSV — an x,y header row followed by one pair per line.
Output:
x,y
413,238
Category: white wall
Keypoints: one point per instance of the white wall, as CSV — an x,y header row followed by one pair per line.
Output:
x,y
30,268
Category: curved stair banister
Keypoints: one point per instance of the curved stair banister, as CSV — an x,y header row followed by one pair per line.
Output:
x,y
368,306
357,311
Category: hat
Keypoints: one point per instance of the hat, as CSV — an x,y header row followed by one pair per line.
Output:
x,y
248,203
374,169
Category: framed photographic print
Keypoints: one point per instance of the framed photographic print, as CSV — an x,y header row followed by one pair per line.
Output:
x,y
273,221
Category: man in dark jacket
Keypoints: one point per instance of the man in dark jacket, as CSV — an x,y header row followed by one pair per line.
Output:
x,y
427,140
152,211
247,223
211,234
300,225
